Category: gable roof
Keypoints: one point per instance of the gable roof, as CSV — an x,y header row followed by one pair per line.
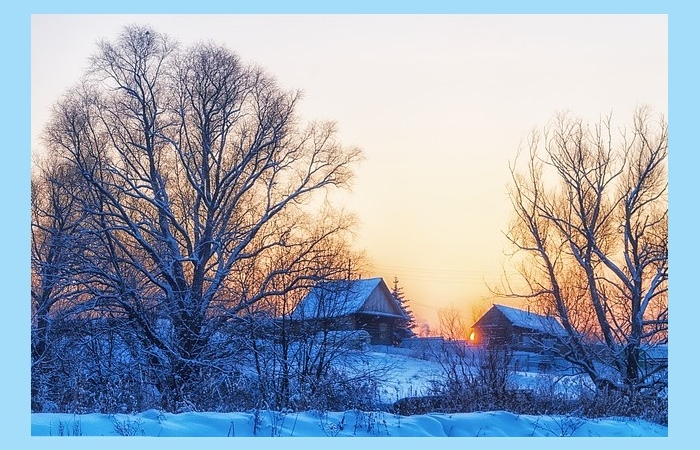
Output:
x,y
343,297
530,321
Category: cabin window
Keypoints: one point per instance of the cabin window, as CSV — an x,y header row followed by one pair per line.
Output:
x,y
383,331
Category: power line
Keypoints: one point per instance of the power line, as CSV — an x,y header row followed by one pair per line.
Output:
x,y
388,267
438,275
422,269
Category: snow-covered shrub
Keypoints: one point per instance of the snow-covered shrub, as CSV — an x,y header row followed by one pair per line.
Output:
x,y
337,391
483,381
129,427
618,403
92,367
420,405
473,378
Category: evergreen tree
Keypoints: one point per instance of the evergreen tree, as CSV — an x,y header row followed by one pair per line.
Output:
x,y
405,327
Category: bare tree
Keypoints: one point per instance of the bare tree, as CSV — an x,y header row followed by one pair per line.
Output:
x,y
590,225
192,164
56,222
453,325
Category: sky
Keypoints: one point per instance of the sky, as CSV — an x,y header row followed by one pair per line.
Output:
x,y
438,103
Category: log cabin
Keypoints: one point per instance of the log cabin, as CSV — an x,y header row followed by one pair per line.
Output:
x,y
347,305
519,329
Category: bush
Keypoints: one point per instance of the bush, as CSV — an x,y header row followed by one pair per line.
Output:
x,y
481,381
337,391
610,403
473,380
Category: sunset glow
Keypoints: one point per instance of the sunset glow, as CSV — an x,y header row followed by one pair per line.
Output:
x,y
439,104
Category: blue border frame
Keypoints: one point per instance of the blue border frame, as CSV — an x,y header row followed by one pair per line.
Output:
x,y
684,160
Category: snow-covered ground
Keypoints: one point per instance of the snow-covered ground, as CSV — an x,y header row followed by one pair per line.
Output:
x,y
335,424
407,376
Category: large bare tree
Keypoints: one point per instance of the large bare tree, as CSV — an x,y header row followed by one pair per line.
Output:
x,y
590,227
195,170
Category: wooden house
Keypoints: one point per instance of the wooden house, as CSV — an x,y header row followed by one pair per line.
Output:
x,y
347,305
520,330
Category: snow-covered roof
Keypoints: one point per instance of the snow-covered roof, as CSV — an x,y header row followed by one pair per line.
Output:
x,y
342,297
532,321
